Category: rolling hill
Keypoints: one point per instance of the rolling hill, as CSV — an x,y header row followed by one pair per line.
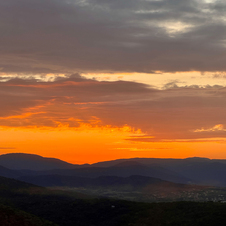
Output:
x,y
21,161
134,182
200,171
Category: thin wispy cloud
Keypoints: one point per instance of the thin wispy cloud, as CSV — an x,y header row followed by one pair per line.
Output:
x,y
7,148
216,128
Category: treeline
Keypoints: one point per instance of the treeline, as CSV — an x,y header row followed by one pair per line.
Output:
x,y
26,205
101,212
14,217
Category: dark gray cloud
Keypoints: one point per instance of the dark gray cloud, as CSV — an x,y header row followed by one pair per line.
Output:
x,y
39,36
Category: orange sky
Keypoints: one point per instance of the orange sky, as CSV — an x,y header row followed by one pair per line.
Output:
x,y
97,80
82,120
94,145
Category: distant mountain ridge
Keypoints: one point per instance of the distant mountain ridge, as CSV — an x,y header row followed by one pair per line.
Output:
x,y
121,170
202,171
21,161
134,182
148,161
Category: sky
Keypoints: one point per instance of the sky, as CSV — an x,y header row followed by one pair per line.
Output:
x,y
94,80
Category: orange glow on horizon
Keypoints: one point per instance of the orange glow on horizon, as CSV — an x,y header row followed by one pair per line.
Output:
x,y
90,145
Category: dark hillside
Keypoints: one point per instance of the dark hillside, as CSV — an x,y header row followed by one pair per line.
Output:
x,y
134,182
13,217
122,170
66,210
20,161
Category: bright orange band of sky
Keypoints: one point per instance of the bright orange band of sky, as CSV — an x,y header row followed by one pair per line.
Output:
x,y
94,145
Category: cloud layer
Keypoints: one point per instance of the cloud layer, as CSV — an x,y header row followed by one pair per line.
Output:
x,y
171,114
63,36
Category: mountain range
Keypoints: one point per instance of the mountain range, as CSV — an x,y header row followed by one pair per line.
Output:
x,y
201,171
20,161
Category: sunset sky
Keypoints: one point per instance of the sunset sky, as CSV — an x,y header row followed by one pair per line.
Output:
x,y
94,80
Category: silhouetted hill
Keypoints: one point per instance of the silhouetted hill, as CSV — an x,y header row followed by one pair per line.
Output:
x,y
151,161
128,164
5,172
131,183
191,170
207,172
20,161
14,217
198,170
123,170
103,181
9,185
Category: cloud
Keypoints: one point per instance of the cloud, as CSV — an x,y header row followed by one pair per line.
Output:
x,y
68,101
63,36
142,149
6,148
219,75
218,127
173,113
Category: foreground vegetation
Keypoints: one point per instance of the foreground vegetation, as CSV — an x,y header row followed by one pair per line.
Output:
x,y
201,194
14,217
31,205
